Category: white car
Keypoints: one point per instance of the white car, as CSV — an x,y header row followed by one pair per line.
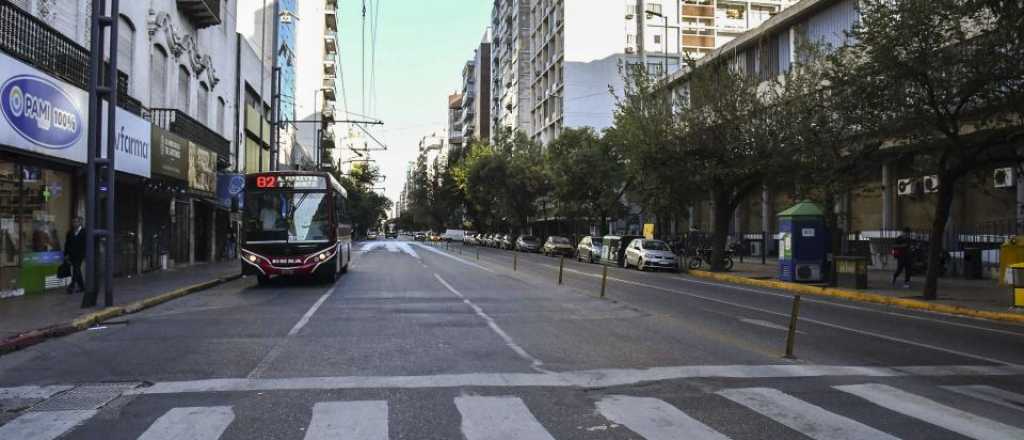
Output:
x,y
650,254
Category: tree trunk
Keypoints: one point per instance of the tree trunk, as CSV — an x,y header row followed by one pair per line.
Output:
x,y
935,248
723,211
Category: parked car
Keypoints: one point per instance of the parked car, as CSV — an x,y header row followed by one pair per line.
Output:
x,y
391,234
371,235
589,249
471,240
507,242
557,245
527,243
650,254
419,236
614,247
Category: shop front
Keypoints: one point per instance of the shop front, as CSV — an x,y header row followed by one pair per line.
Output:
x,y
43,123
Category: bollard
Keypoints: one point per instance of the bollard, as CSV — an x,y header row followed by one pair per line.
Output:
x,y
604,279
561,267
477,253
446,245
515,263
791,336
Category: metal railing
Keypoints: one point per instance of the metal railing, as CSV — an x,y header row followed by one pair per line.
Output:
x,y
181,124
38,44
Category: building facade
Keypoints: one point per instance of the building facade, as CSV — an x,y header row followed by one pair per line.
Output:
x,y
511,69
709,24
455,134
316,88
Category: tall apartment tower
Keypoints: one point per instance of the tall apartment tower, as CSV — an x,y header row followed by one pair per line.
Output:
x,y
455,138
476,91
708,24
316,84
511,69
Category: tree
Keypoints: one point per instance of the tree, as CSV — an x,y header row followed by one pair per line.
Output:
x,y
948,76
587,176
366,208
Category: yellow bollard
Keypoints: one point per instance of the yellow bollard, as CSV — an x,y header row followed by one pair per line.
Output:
x,y
791,336
604,279
515,262
561,267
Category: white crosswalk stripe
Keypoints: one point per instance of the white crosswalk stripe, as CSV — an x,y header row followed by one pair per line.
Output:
x,y
44,425
192,423
960,422
803,417
654,419
498,418
367,420
990,394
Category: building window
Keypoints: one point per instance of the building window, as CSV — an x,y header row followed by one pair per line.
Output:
x,y
126,47
203,104
158,78
657,39
183,90
656,8
221,109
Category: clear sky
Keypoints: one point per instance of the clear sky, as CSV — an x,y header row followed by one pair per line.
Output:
x,y
421,48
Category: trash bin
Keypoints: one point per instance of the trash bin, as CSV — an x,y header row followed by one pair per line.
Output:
x,y
852,271
973,267
1010,253
1017,278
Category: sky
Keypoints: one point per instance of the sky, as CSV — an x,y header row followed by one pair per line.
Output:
x,y
421,48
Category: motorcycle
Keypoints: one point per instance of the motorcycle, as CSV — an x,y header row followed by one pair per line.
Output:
x,y
703,255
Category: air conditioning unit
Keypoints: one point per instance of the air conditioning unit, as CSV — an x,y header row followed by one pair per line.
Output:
x,y
931,184
906,187
808,272
1004,177
630,50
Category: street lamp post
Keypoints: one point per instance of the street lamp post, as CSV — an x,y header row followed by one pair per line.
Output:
x,y
664,43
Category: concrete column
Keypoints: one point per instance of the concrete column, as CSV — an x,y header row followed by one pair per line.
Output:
x,y
887,197
191,231
172,232
213,235
138,237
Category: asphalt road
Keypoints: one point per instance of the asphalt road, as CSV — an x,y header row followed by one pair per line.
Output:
x,y
417,342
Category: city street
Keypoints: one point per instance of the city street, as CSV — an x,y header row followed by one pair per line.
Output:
x,y
416,342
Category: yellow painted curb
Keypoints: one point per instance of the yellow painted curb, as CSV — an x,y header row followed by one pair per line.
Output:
x,y
854,295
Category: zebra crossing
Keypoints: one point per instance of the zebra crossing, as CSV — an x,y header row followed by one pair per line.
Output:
x,y
508,417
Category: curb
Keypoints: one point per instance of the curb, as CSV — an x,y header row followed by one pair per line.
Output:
x,y
87,320
853,295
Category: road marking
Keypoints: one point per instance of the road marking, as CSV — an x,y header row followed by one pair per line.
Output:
x,y
654,419
276,350
498,418
511,343
989,394
192,423
366,420
960,422
391,247
812,321
31,392
469,263
570,379
805,418
766,324
44,425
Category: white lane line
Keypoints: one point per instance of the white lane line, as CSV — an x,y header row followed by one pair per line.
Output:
x,y
570,379
766,324
276,350
511,343
364,420
31,392
960,422
989,394
44,425
498,418
192,423
461,260
654,419
812,321
805,418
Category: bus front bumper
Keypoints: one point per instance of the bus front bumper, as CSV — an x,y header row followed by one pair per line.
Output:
x,y
307,265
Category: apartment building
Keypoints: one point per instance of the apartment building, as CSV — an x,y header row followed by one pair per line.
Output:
x,y
511,67
579,51
455,120
316,88
708,24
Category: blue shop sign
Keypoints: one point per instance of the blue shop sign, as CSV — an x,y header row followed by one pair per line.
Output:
x,y
41,112
230,186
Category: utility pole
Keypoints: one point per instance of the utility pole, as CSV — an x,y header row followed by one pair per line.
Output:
x,y
641,26
100,185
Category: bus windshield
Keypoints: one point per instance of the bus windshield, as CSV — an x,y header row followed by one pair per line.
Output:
x,y
285,216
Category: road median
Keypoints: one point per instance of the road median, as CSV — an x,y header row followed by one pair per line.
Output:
x,y
866,297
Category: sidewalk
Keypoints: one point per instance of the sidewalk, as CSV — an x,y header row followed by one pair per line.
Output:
x,y
27,313
983,295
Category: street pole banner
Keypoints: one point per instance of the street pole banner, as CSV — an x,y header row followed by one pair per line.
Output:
x,y
47,116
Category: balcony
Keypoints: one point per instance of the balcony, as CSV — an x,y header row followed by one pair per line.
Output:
x,y
203,13
331,43
183,125
330,22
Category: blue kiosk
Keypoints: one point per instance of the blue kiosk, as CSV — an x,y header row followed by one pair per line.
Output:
x,y
803,243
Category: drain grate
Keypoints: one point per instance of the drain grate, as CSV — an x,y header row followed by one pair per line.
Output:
x,y
89,396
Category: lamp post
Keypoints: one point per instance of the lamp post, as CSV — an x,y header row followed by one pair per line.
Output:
x,y
664,43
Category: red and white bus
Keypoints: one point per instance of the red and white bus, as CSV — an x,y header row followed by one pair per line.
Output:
x,y
294,223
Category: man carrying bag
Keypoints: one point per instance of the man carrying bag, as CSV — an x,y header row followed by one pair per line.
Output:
x,y
74,254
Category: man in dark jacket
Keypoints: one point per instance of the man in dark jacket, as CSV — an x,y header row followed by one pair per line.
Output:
x,y
74,253
901,250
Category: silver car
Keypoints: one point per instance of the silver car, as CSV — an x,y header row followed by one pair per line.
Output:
x,y
650,254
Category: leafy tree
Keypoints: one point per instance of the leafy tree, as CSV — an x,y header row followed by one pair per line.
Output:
x,y
587,176
366,208
947,75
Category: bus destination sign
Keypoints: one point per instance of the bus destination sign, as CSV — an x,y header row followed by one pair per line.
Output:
x,y
290,182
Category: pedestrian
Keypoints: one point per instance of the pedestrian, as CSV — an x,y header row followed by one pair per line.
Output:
x,y
74,253
901,250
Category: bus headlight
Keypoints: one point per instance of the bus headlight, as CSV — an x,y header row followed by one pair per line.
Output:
x,y
322,256
252,258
